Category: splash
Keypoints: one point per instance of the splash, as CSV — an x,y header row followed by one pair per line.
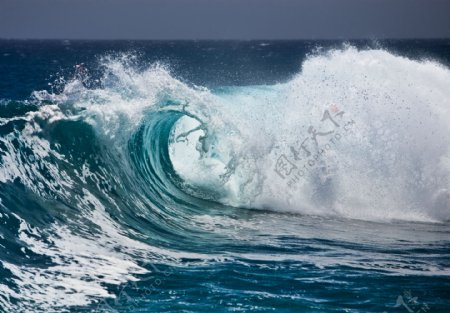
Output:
x,y
393,164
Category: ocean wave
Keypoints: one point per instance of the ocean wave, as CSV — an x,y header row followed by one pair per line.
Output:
x,y
139,162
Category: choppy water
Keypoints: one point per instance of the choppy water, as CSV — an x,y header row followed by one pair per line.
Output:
x,y
224,176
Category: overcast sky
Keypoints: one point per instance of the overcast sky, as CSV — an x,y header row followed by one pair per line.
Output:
x,y
224,19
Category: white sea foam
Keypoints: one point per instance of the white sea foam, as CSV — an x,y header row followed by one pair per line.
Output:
x,y
393,163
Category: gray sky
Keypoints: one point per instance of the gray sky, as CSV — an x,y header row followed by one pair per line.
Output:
x,y
224,19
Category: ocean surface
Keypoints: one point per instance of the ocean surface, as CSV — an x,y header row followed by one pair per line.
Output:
x,y
250,176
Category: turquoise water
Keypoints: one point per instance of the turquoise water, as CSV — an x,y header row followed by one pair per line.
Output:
x,y
287,176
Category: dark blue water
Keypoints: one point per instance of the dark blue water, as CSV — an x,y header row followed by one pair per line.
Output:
x,y
287,176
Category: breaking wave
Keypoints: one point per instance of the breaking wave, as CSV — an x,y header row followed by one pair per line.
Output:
x,y
118,167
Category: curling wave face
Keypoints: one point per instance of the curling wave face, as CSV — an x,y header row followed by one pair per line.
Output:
x,y
142,167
